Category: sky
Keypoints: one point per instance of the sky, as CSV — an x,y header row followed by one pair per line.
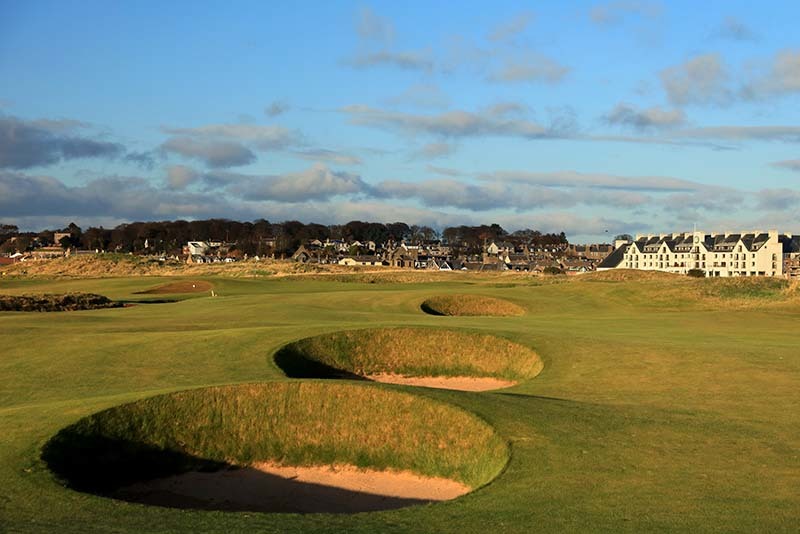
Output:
x,y
592,118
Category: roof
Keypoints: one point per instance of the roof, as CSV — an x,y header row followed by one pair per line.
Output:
x,y
614,259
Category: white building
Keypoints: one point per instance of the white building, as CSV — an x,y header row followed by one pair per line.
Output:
x,y
745,254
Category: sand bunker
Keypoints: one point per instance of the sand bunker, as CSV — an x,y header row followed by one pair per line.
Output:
x,y
461,383
184,286
222,448
268,487
451,359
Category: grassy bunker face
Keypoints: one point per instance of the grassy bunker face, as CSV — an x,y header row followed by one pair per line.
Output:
x,y
471,305
152,450
404,354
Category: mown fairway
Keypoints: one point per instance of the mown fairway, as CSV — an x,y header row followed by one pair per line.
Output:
x,y
663,405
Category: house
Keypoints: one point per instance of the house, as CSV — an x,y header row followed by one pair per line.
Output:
x,y
753,253
590,252
371,261
302,255
197,248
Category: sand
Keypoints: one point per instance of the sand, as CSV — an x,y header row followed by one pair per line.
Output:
x,y
462,383
268,487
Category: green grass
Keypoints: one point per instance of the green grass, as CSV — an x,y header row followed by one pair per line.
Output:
x,y
664,405
409,352
466,305
300,423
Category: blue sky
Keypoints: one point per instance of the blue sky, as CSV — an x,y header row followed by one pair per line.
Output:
x,y
588,117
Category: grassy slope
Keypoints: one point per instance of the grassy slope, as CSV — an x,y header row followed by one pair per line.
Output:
x,y
414,352
466,305
651,413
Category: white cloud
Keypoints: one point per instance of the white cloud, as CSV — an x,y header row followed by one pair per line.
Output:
x,y
700,80
450,124
790,164
328,156
530,67
735,30
260,137
278,107
611,13
215,154
782,77
409,60
512,27
371,26
180,177
652,118
574,179
315,183
435,150
423,95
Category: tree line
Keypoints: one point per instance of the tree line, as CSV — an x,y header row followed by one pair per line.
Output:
x,y
261,237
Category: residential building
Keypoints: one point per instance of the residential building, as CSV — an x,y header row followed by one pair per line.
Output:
x,y
753,253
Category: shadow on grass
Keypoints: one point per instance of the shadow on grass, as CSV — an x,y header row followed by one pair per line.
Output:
x,y
148,301
144,474
295,364
425,307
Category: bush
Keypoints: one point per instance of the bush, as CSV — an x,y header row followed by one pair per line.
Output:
x,y
552,270
696,273
50,303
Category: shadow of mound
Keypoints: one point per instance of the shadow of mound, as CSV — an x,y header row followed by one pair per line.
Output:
x,y
425,307
97,464
295,364
144,474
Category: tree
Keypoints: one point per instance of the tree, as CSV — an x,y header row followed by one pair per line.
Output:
x,y
8,230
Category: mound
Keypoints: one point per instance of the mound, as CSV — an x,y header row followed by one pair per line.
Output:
x,y
388,354
174,450
471,305
52,303
625,275
184,286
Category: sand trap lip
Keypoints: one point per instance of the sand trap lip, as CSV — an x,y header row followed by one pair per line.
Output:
x,y
269,487
470,306
461,383
184,286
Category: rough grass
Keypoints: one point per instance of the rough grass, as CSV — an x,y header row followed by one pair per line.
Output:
x,y
678,290
53,302
471,305
409,352
294,424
